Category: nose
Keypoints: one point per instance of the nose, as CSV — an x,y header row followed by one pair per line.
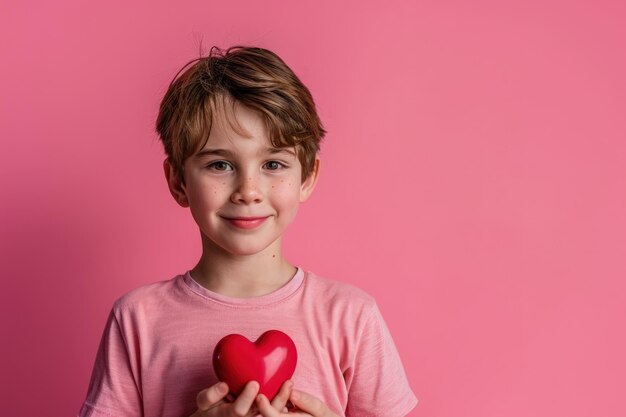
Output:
x,y
247,191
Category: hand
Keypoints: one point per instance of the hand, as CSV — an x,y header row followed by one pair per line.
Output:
x,y
306,405
212,402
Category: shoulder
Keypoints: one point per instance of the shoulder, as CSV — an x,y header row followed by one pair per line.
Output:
x,y
146,297
339,294
336,287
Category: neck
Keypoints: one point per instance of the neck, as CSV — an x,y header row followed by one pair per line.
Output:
x,y
242,276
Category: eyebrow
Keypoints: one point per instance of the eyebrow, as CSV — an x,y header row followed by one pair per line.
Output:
x,y
226,152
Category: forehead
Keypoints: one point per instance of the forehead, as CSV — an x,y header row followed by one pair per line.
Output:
x,y
236,128
231,119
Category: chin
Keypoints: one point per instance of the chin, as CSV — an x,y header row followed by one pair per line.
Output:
x,y
244,250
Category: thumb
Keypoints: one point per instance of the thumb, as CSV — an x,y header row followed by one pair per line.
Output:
x,y
309,404
211,396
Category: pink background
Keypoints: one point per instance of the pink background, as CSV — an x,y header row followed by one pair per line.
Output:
x,y
473,181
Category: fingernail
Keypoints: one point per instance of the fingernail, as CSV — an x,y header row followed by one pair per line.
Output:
x,y
222,388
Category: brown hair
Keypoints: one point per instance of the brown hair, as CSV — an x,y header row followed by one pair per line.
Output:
x,y
252,76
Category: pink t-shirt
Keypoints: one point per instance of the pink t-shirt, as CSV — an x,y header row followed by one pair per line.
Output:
x,y
155,355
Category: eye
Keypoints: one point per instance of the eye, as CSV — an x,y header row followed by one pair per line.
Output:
x,y
220,166
275,165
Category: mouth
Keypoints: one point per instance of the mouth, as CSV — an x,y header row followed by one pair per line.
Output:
x,y
246,222
246,218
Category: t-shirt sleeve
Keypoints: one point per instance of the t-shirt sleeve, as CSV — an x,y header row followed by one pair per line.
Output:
x,y
378,385
113,389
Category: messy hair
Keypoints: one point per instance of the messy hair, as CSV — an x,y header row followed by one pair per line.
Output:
x,y
252,76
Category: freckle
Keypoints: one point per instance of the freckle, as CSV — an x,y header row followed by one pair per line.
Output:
x,y
273,256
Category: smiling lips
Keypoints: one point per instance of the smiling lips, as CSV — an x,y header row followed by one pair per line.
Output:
x,y
246,222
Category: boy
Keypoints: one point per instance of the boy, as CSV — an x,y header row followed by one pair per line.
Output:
x,y
242,135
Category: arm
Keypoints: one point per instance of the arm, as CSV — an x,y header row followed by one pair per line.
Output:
x,y
113,389
377,382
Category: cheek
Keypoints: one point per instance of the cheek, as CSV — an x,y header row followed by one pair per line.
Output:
x,y
209,194
286,192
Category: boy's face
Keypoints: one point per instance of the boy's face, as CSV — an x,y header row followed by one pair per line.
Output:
x,y
235,177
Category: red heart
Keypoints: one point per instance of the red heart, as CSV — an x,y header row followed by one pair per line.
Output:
x,y
270,361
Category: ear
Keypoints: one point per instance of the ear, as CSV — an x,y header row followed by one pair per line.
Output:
x,y
177,188
309,184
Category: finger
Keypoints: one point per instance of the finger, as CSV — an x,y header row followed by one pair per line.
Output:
x,y
265,408
211,396
280,400
242,404
310,404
